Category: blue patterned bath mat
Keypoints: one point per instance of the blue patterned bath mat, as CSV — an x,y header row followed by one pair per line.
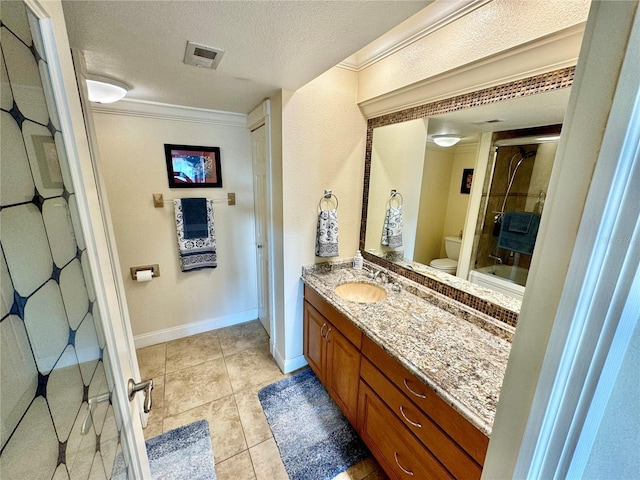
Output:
x,y
315,439
184,452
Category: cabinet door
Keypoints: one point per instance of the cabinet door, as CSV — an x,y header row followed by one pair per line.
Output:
x,y
343,372
315,327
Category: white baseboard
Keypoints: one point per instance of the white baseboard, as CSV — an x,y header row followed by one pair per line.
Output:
x,y
168,334
295,363
291,364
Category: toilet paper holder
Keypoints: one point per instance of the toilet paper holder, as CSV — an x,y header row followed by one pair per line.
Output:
x,y
155,270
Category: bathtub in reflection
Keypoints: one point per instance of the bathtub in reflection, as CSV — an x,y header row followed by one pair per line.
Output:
x,y
505,279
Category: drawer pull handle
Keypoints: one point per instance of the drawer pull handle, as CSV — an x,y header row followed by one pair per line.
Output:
x,y
324,325
419,395
408,472
417,425
327,335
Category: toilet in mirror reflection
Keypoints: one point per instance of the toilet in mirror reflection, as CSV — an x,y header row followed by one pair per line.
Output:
x,y
449,264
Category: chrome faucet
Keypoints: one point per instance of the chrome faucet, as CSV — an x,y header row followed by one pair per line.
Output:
x,y
496,258
381,274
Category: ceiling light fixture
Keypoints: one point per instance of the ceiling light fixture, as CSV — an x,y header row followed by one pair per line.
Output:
x,y
447,140
105,90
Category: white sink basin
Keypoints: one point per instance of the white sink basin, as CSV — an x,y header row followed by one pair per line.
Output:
x,y
361,292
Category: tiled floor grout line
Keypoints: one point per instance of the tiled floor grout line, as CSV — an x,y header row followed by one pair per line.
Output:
x,y
242,347
235,401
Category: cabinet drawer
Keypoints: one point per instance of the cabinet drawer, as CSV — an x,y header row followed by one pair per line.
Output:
x,y
456,460
398,451
472,440
346,327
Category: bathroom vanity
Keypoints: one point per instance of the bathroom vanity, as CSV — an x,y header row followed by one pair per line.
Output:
x,y
416,373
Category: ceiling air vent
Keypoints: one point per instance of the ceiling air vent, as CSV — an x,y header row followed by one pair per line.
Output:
x,y
202,56
484,122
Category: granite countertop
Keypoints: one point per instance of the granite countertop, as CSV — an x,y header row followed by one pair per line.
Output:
x,y
459,353
492,296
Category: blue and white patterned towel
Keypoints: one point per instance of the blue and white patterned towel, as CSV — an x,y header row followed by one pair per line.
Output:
x,y
327,234
196,253
392,229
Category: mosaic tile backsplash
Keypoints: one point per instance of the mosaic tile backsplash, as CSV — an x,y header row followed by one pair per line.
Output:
x,y
51,345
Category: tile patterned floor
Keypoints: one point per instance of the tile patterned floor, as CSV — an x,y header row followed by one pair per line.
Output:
x,y
216,376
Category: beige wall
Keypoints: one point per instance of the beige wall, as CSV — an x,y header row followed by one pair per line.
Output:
x,y
433,202
464,157
443,208
178,304
323,136
397,160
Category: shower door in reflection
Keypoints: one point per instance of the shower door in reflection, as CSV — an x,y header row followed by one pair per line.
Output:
x,y
517,182
59,414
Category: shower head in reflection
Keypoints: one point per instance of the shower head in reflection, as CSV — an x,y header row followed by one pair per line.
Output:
x,y
512,174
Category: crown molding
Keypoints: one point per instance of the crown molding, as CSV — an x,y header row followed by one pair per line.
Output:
x,y
437,15
165,111
546,54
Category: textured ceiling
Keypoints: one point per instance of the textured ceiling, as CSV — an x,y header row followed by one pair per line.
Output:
x,y
269,45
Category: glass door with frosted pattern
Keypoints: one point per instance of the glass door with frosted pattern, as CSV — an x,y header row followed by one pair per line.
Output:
x,y
57,419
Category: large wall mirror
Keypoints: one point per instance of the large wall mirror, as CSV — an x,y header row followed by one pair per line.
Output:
x,y
459,204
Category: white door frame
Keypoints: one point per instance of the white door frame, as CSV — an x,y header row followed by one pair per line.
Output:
x,y
586,344
110,302
599,306
131,358
260,116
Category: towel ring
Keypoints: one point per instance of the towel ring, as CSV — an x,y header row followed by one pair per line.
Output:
x,y
328,194
394,194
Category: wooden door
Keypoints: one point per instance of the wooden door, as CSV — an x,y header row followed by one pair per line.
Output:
x,y
342,372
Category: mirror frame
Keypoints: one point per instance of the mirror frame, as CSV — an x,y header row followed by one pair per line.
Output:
x,y
554,80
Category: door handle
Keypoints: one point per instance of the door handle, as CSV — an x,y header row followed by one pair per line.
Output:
x,y
88,419
146,387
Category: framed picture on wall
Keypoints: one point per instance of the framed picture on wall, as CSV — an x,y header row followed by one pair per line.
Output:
x,y
193,167
467,178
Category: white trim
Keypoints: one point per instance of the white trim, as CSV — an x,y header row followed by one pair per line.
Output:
x,y
256,118
437,15
166,111
81,75
290,365
475,201
546,54
188,329
609,376
597,287
259,116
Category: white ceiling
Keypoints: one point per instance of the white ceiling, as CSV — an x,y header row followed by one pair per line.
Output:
x,y
269,45
547,108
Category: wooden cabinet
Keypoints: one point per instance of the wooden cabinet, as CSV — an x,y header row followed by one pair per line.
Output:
x,y
411,431
332,348
398,452
459,446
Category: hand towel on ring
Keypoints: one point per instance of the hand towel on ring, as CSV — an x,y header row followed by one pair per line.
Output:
x,y
327,234
392,228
